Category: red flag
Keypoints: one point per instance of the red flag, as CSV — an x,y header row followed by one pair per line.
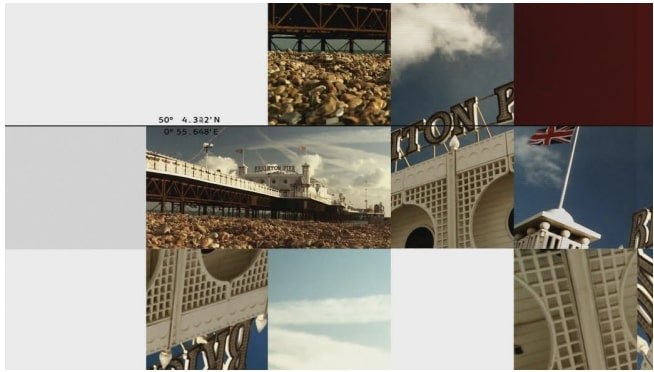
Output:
x,y
552,135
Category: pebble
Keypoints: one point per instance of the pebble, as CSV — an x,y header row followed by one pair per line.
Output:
x,y
293,117
206,242
192,231
320,86
163,230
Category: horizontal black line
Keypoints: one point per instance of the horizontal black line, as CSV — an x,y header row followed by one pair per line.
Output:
x,y
545,125
392,126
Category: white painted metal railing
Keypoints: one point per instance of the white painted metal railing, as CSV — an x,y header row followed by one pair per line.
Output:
x,y
161,164
543,239
166,165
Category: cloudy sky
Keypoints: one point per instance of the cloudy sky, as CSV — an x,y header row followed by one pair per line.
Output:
x,y
347,159
444,54
329,309
611,178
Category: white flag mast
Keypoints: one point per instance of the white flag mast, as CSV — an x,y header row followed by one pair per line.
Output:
x,y
567,173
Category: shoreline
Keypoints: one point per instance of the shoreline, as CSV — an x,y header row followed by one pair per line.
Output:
x,y
176,230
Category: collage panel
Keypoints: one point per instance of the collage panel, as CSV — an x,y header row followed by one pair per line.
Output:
x,y
583,187
571,66
329,64
206,309
452,149
441,296
582,309
267,187
330,309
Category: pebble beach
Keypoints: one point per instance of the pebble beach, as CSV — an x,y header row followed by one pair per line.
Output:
x,y
328,88
175,230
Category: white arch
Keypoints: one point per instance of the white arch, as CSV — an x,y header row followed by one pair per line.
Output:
x,y
548,319
481,198
421,218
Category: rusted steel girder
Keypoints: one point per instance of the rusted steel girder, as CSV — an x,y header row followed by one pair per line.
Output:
x,y
185,192
161,188
359,21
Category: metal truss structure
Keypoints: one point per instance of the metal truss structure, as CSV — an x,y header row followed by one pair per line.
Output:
x,y
181,193
323,22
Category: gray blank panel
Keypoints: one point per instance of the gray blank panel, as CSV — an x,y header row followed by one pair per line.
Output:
x,y
75,188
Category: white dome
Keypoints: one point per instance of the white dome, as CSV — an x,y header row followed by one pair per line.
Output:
x,y
561,215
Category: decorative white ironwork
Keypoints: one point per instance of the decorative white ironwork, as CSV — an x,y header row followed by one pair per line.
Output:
x,y
645,307
443,194
158,163
185,300
585,298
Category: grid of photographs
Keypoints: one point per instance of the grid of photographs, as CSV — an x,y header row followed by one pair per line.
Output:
x,y
251,220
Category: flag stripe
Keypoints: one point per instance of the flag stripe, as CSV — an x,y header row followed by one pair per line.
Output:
x,y
552,135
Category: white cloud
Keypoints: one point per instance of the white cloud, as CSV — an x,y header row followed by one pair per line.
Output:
x,y
314,160
421,30
373,178
540,165
225,164
480,8
301,350
368,309
335,158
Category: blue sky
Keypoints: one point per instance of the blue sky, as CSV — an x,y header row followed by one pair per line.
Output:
x,y
611,178
329,309
444,54
345,158
338,44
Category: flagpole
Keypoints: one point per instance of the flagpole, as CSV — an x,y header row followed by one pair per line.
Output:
x,y
567,173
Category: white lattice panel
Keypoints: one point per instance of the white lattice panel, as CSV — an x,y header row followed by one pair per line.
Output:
x,y
425,185
613,274
185,300
470,185
432,197
200,288
546,273
160,291
255,277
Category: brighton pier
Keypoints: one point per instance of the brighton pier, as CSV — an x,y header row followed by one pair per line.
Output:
x,y
183,185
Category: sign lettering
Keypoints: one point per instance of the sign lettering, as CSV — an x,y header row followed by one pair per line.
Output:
x,y
274,168
225,349
461,119
641,229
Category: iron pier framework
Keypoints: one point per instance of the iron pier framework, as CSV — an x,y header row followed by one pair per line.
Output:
x,y
312,26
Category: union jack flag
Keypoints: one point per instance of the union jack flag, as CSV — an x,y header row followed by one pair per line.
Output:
x,y
552,134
